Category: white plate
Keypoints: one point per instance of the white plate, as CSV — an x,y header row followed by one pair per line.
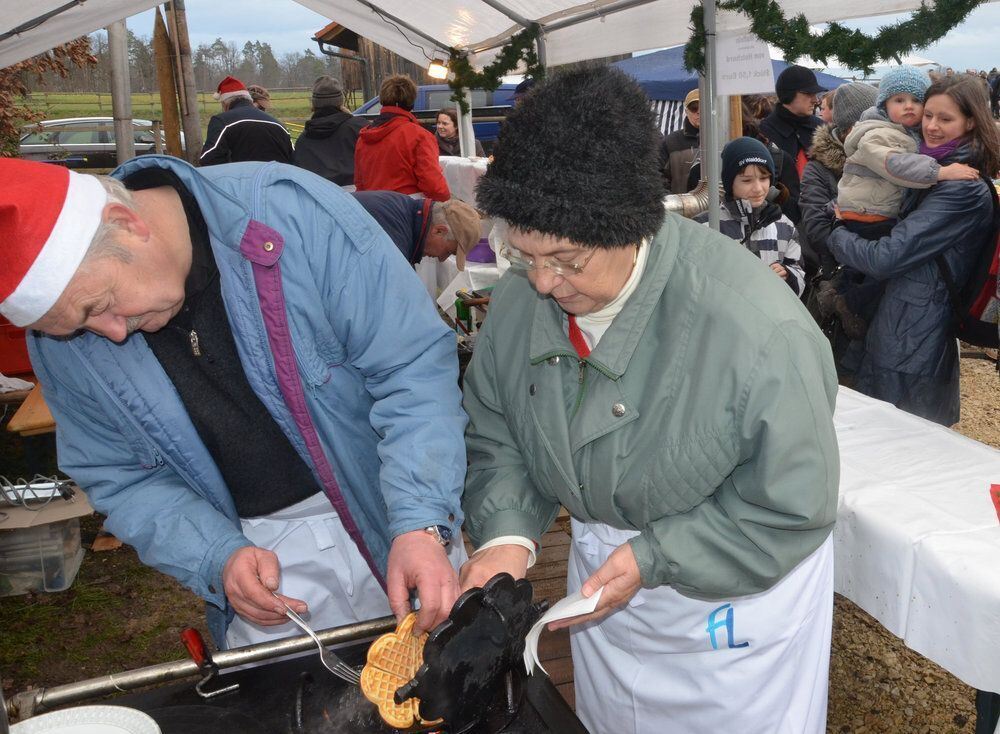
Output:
x,y
89,720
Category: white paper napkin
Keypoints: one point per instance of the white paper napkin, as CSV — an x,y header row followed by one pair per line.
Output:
x,y
572,606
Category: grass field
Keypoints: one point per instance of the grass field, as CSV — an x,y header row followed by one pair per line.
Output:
x,y
291,106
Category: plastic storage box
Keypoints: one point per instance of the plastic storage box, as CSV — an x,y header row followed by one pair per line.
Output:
x,y
40,558
13,350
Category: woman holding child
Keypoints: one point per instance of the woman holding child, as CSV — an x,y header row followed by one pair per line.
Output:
x,y
910,354
658,381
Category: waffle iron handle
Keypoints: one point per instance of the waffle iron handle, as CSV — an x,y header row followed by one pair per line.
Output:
x,y
198,651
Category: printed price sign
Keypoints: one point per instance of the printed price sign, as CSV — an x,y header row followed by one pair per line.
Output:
x,y
743,65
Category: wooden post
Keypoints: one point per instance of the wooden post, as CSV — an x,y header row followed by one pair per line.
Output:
x,y
121,93
186,84
735,117
168,89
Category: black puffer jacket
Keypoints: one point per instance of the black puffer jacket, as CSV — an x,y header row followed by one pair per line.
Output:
x,y
817,189
244,133
792,133
326,146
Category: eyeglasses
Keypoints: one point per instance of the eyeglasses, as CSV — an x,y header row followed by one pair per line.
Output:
x,y
693,107
520,261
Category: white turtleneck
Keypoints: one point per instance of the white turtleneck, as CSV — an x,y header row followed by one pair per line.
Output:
x,y
593,326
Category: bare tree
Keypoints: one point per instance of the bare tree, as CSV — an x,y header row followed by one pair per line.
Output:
x,y
14,88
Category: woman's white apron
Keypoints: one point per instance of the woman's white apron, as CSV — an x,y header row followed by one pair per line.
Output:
x,y
667,663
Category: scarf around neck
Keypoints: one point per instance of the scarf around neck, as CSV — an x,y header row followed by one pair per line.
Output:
x,y
941,152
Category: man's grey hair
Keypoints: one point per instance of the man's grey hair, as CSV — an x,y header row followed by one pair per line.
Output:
x,y
438,217
104,243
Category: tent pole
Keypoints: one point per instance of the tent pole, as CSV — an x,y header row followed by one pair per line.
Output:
x,y
466,133
121,92
710,154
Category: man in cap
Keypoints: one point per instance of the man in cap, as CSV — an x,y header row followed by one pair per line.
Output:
x,y
792,123
242,131
680,148
326,146
247,380
423,227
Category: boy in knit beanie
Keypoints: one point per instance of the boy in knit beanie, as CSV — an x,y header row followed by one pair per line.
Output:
x,y
751,210
882,161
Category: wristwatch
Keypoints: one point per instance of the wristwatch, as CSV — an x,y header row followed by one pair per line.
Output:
x,y
441,533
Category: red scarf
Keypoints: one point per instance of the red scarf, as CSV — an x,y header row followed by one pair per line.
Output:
x,y
577,340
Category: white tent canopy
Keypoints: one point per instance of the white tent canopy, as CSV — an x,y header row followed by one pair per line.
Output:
x,y
574,31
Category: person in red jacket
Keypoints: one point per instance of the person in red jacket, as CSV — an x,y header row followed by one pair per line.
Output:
x,y
395,153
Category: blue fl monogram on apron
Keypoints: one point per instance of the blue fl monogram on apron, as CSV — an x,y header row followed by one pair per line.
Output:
x,y
715,624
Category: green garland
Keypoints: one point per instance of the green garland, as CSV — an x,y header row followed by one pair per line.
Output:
x,y
521,47
852,47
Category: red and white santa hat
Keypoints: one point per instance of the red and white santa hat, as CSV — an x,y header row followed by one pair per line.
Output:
x,y
48,217
231,87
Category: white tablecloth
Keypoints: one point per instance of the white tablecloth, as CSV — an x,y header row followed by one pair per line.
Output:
x,y
917,539
462,175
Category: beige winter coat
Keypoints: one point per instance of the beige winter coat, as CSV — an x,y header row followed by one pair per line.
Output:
x,y
882,160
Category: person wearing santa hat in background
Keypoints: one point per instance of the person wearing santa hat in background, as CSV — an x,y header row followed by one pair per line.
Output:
x,y
242,131
247,380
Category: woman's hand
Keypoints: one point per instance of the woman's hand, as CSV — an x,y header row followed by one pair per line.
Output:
x,y
486,564
619,575
957,172
780,270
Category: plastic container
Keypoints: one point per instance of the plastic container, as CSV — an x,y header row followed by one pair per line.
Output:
x,y
40,558
13,350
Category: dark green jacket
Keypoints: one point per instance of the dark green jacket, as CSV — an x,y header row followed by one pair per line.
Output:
x,y
703,419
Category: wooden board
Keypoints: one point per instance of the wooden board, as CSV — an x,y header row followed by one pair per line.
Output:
x,y
33,418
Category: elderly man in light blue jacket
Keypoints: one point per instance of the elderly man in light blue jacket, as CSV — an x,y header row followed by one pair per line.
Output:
x,y
248,380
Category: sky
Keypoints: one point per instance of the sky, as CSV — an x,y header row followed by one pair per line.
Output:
x,y
288,27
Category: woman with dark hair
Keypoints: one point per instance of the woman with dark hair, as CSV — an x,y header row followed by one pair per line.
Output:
x,y
446,132
910,356
659,382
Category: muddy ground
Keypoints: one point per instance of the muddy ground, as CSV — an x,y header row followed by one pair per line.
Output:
x,y
120,615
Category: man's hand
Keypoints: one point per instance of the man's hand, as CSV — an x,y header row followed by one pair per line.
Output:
x,y
619,575
249,577
418,561
484,565
781,270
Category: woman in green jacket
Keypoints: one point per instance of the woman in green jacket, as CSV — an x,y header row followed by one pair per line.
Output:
x,y
658,381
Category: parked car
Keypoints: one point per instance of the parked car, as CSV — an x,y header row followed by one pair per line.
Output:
x,y
82,142
488,109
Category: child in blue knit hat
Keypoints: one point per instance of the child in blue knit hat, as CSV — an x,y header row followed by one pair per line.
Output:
x,y
882,161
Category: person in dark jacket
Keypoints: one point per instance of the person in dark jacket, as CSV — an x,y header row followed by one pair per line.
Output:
x,y
680,148
792,123
910,356
326,146
395,153
241,132
423,227
446,133
825,167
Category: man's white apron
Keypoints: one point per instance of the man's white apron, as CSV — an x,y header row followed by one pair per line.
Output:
x,y
320,565
667,663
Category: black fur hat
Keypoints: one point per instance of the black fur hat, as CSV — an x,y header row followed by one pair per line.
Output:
x,y
578,158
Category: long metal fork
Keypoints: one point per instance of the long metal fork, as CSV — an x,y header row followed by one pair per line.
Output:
x,y
329,659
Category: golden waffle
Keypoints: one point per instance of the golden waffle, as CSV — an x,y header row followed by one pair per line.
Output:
x,y
393,660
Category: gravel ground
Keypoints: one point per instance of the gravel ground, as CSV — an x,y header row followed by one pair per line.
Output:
x,y
877,685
